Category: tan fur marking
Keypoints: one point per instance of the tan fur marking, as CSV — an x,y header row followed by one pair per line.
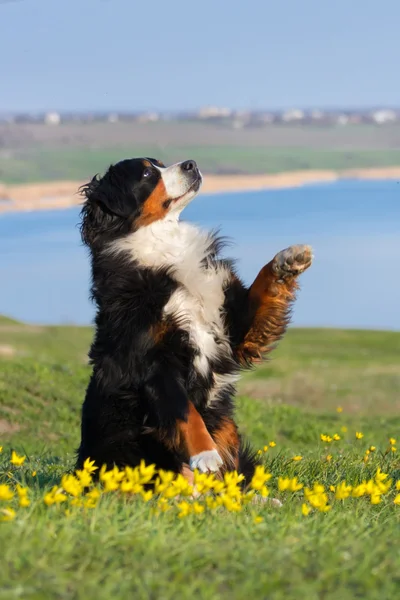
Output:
x,y
153,209
227,442
194,433
269,305
159,330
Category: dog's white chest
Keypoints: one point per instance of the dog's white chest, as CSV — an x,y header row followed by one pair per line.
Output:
x,y
197,303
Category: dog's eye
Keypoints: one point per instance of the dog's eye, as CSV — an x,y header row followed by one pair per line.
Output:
x,y
147,173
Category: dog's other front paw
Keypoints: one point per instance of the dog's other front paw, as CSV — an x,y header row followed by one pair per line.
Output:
x,y
207,461
292,261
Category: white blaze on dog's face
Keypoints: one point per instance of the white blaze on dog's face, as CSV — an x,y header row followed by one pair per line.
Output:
x,y
175,187
182,182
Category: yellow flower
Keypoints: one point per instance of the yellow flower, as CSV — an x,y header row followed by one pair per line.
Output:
x,y
325,438
163,480
359,435
34,473
198,508
1,449
230,503
393,449
397,499
398,485
339,409
305,510
147,495
7,514
297,458
358,490
89,466
55,496
111,479
329,457
22,494
257,520
24,502
5,492
259,452
259,479
343,491
272,444
17,460
367,452
92,498
71,485
179,486
212,503
185,509
372,448
146,473
380,476
317,497
127,486
344,429
336,437
392,441
375,498
295,485
265,448
204,482
332,488
84,477
283,483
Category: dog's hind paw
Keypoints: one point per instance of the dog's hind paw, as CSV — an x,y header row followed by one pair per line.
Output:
x,y
292,261
207,461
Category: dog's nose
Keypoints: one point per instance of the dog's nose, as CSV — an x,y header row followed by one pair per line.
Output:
x,y
189,165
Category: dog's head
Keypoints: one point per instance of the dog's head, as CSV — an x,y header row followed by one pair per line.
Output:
x,y
134,193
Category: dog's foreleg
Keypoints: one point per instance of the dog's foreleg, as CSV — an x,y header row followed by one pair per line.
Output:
x,y
200,447
269,303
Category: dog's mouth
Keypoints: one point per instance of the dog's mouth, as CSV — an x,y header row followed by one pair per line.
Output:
x,y
193,188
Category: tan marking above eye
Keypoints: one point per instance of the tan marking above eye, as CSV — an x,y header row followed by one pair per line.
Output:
x,y
147,163
153,208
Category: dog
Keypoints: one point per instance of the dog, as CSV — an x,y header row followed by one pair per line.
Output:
x,y
174,324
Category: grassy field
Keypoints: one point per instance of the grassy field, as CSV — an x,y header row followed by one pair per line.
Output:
x,y
126,548
79,164
31,153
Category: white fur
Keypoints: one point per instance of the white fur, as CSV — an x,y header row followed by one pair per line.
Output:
x,y
208,460
177,185
197,303
220,383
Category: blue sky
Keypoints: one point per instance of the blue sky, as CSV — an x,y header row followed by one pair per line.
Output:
x,y
123,54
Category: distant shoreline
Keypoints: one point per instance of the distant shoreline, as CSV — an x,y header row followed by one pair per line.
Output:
x,y
63,194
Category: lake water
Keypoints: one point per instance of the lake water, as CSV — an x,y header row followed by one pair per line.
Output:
x,y
353,226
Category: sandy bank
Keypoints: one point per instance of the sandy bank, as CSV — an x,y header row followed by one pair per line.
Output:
x,y
63,194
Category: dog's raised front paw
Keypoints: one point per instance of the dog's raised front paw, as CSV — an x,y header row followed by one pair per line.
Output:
x,y
292,261
207,461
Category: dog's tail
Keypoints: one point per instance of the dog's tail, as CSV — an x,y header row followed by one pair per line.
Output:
x,y
248,460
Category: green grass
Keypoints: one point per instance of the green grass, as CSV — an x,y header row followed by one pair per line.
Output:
x,y
122,550
28,165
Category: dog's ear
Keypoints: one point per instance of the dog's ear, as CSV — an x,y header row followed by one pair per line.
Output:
x,y
106,209
111,193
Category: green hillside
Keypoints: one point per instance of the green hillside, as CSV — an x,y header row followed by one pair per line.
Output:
x,y
123,549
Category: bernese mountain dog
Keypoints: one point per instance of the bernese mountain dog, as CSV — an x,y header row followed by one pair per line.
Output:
x,y
174,324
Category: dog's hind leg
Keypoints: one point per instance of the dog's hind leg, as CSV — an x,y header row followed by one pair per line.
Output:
x,y
269,303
